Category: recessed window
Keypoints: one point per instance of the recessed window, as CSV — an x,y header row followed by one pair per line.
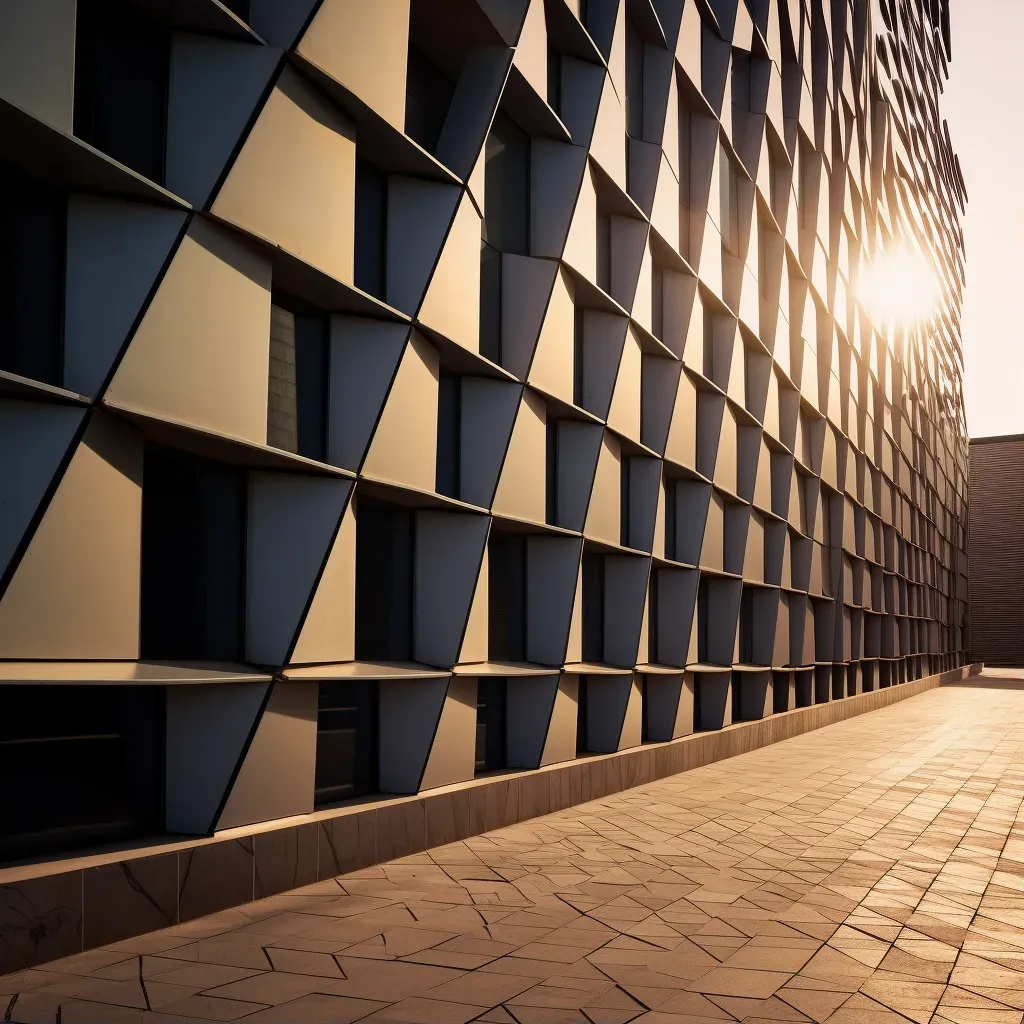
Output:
x,y
122,63
297,387
193,557
593,607
33,232
371,228
384,578
449,433
428,95
507,186
506,575
88,761
491,699
346,741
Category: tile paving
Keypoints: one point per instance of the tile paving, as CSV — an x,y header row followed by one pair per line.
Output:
x,y
872,871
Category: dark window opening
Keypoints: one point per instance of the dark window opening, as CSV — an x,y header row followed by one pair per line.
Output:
x,y
507,186
491,706
346,741
593,607
490,303
88,761
371,223
428,95
298,382
449,433
33,232
122,66
506,572
193,557
384,581
747,627
240,8
582,719
554,80
703,626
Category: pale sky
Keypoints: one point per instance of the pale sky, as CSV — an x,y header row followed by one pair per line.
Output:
x,y
983,106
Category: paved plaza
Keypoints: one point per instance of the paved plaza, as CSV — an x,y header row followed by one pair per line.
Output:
x,y
868,872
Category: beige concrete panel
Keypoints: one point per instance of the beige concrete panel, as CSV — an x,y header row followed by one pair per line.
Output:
x,y
207,727
276,777
451,305
579,447
603,514
404,445
328,630
552,368
665,212
448,551
560,744
531,53
37,59
552,599
608,144
624,414
290,528
581,242
115,252
522,486
201,352
75,593
34,438
681,446
365,47
453,753
713,542
214,86
293,182
574,647
475,640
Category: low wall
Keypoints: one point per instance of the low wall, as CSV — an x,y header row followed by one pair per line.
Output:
x,y
53,909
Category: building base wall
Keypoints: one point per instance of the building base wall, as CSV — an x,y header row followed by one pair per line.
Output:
x,y
57,908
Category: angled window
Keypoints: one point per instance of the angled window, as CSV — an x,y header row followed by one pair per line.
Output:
x,y
506,572
491,701
371,228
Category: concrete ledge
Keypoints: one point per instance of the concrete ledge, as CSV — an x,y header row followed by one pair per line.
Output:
x,y
53,909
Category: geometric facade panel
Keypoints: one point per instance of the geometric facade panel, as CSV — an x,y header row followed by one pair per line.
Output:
x,y
454,386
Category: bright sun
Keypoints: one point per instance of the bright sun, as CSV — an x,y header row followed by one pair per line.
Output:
x,y
898,286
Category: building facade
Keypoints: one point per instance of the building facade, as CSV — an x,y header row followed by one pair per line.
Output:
x,y
996,549
396,393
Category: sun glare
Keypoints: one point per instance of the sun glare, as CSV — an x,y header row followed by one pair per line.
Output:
x,y
898,286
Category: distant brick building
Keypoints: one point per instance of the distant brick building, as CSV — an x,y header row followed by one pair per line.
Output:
x,y
996,546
